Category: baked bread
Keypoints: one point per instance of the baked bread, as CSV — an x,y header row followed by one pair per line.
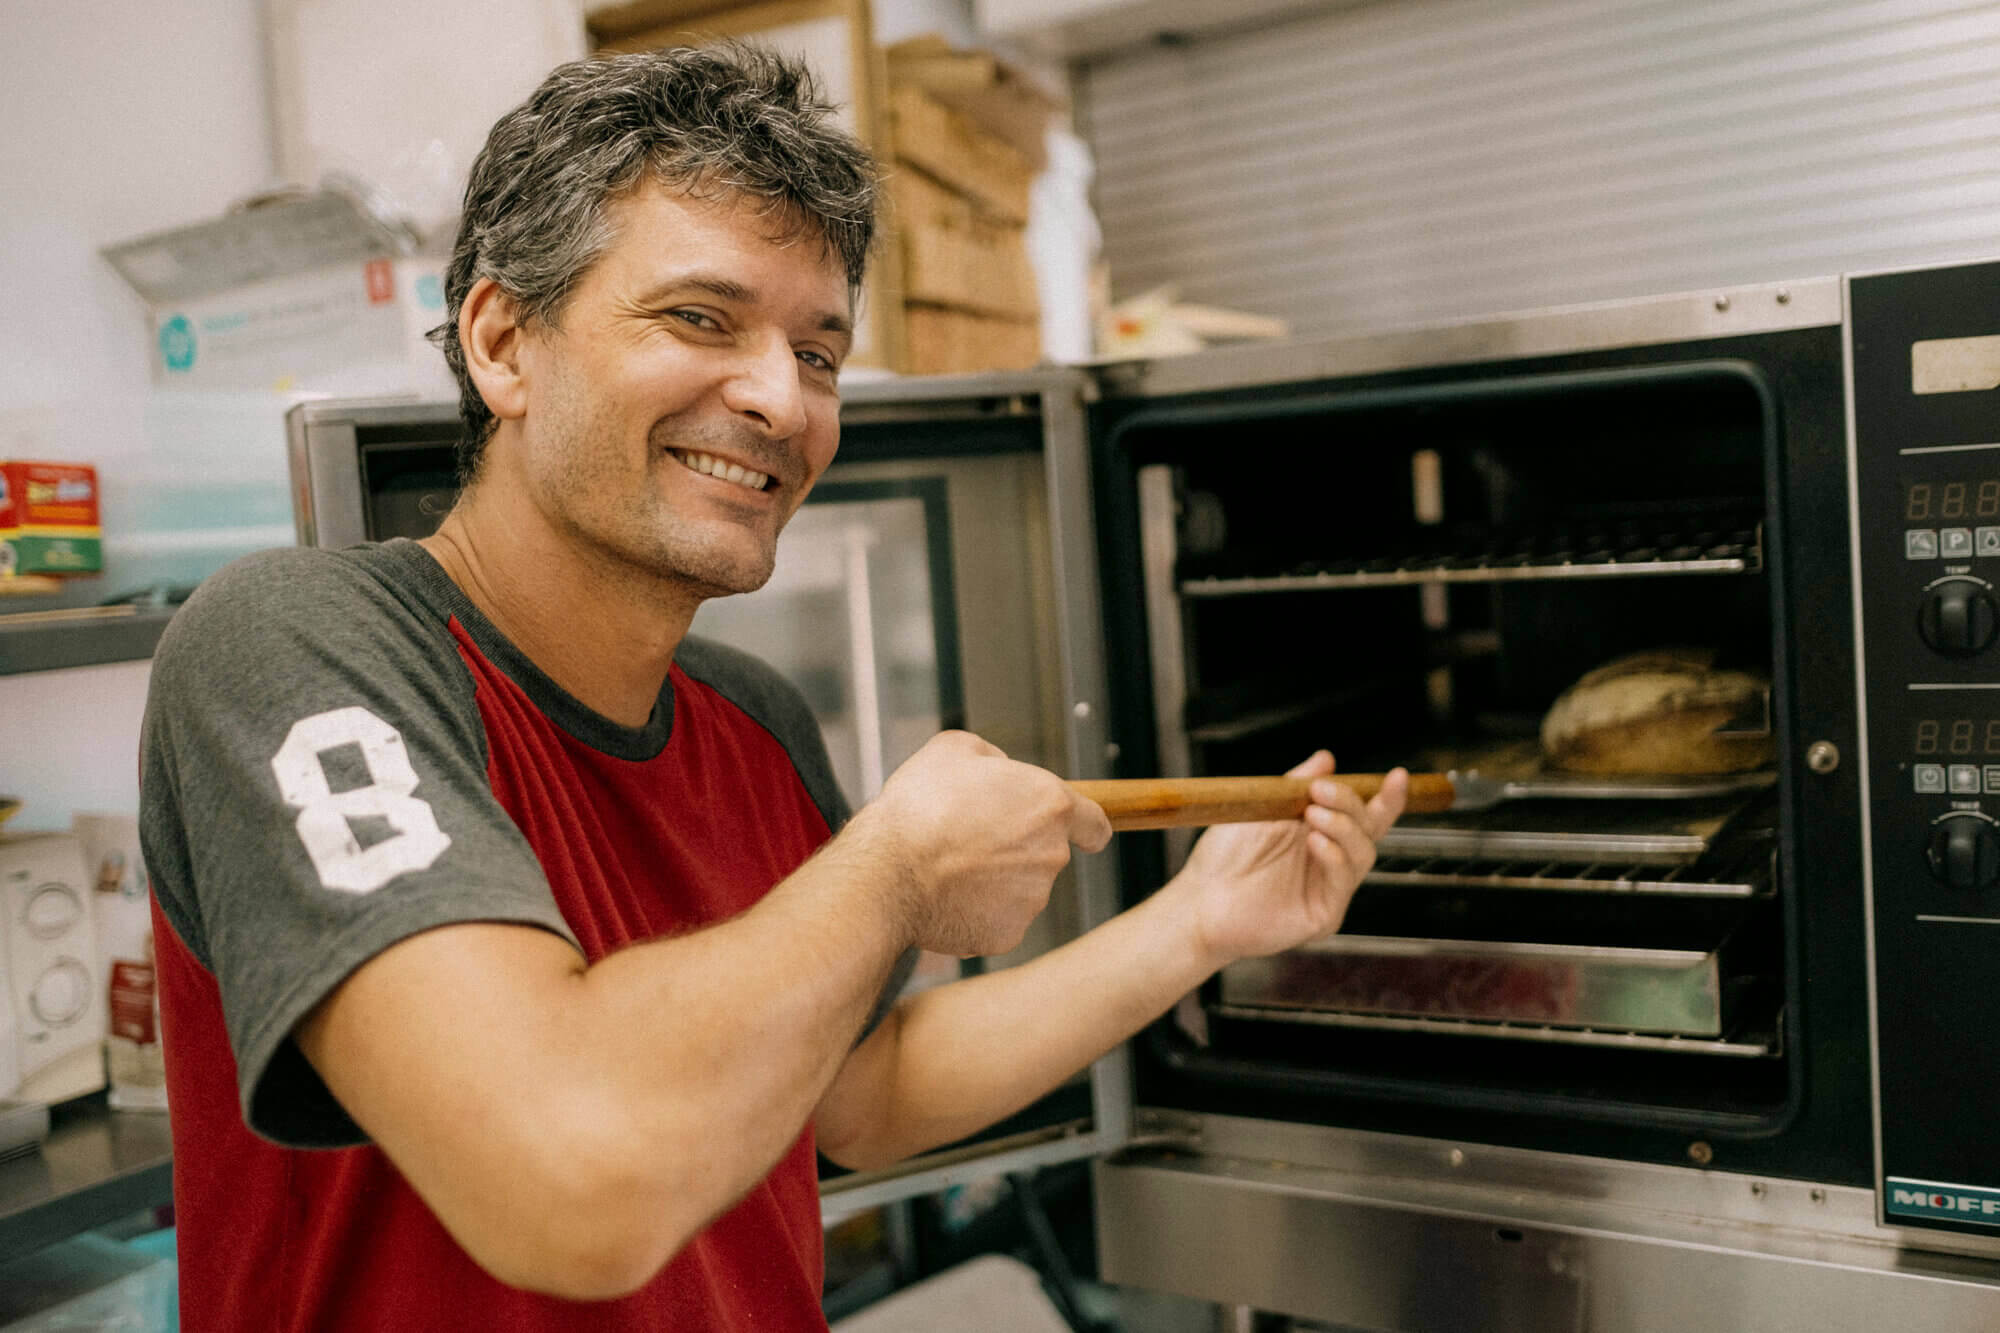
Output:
x,y
1656,712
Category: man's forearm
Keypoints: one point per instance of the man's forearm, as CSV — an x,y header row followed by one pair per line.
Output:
x,y
619,1107
952,1060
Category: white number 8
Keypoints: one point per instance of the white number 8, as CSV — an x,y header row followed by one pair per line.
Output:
x,y
343,863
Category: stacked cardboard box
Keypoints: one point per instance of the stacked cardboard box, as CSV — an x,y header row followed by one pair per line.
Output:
x,y
958,212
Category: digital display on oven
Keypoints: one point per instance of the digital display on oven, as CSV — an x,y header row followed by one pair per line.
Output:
x,y
1951,501
1961,737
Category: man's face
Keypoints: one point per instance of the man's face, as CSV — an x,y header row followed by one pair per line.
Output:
x,y
688,401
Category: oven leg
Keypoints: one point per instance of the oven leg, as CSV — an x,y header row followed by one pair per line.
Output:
x,y
1235,1319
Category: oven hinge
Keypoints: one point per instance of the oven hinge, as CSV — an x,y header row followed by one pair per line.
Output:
x,y
1155,1129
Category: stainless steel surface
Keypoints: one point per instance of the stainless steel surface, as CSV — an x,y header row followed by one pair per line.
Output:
x,y
1745,876
1365,164
1583,328
1158,551
327,504
1073,548
23,1125
1517,844
1749,1044
932,397
1417,574
95,1167
1648,990
1394,1232
1061,554
1476,791
1854,548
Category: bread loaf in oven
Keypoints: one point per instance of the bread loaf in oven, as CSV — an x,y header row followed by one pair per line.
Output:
x,y
1656,712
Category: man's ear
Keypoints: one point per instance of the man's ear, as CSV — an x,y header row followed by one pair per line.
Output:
x,y
490,330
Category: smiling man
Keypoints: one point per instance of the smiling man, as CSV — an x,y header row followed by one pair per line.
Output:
x,y
517,951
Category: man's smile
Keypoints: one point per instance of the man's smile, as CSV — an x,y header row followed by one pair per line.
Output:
x,y
711,466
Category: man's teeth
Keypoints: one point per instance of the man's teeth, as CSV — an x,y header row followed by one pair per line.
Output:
x,y
710,466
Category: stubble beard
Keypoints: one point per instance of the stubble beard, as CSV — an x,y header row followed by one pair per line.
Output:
x,y
711,562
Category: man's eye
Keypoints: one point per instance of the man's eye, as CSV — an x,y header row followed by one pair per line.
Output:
x,y
816,360
697,318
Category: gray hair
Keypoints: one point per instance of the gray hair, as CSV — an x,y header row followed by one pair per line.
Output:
x,y
733,119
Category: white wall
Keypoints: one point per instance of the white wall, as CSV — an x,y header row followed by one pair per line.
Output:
x,y
118,119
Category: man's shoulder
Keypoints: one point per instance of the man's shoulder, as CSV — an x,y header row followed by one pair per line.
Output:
x,y
287,594
773,702
729,670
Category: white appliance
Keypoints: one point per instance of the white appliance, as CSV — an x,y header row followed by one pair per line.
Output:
x,y
52,1019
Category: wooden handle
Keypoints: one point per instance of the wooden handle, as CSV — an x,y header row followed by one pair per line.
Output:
x,y
1148,803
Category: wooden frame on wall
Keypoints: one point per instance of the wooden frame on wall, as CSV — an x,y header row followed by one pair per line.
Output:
x,y
836,37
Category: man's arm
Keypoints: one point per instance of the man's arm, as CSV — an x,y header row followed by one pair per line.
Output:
x,y
574,1126
952,1060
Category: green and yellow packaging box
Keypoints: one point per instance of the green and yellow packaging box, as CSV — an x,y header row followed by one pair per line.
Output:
x,y
49,518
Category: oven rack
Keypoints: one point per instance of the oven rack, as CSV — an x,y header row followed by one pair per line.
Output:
x,y
1753,1042
1597,555
1748,875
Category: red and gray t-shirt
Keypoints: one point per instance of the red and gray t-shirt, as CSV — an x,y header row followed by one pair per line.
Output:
x,y
341,751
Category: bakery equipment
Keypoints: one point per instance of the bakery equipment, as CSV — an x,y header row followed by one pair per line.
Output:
x,y
1714,1061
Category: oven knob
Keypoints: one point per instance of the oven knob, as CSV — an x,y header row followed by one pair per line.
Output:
x,y
1958,617
1964,852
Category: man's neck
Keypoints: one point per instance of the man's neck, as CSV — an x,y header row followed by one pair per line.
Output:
x,y
599,630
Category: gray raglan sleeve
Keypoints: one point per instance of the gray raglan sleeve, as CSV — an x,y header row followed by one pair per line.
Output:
x,y
313,789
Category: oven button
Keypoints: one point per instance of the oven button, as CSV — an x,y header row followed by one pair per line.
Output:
x,y
1964,852
1958,616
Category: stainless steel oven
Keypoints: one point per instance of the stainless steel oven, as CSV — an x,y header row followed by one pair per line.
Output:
x,y
1697,1052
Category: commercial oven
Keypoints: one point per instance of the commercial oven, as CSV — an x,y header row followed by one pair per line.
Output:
x,y
1631,1052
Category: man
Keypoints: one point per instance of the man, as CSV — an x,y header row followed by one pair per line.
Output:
x,y
547,924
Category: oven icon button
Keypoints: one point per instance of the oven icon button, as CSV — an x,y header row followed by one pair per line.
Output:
x,y
1986,541
1965,779
1955,543
1930,779
1920,544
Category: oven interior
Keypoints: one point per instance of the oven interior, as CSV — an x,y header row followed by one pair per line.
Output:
x,y
1412,573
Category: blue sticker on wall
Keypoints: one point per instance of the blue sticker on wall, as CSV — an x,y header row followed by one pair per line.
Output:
x,y
430,292
177,343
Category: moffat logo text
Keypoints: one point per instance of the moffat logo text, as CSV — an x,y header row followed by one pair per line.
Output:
x,y
1946,1203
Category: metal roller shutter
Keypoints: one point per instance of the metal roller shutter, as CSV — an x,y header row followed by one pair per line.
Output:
x,y
1420,160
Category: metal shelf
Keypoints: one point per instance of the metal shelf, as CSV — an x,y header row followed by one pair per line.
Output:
x,y
97,1166
1751,1044
1630,555
1746,876
84,636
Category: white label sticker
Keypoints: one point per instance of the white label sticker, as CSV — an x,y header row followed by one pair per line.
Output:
x,y
1955,365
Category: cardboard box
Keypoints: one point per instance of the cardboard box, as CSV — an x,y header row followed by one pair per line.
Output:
x,y
49,519
944,341
954,254
313,294
930,135
293,332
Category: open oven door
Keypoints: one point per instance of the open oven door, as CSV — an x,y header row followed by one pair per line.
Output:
x,y
944,575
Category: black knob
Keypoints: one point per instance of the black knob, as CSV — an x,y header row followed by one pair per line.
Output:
x,y
1958,617
1964,852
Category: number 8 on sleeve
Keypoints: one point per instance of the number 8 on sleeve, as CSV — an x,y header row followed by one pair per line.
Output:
x,y
324,814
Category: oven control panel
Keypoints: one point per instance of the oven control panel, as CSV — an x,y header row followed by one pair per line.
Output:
x,y
1925,399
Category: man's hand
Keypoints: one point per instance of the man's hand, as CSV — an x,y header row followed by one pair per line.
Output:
x,y
1255,889
981,838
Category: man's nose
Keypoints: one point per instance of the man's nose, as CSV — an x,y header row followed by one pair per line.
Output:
x,y
765,387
